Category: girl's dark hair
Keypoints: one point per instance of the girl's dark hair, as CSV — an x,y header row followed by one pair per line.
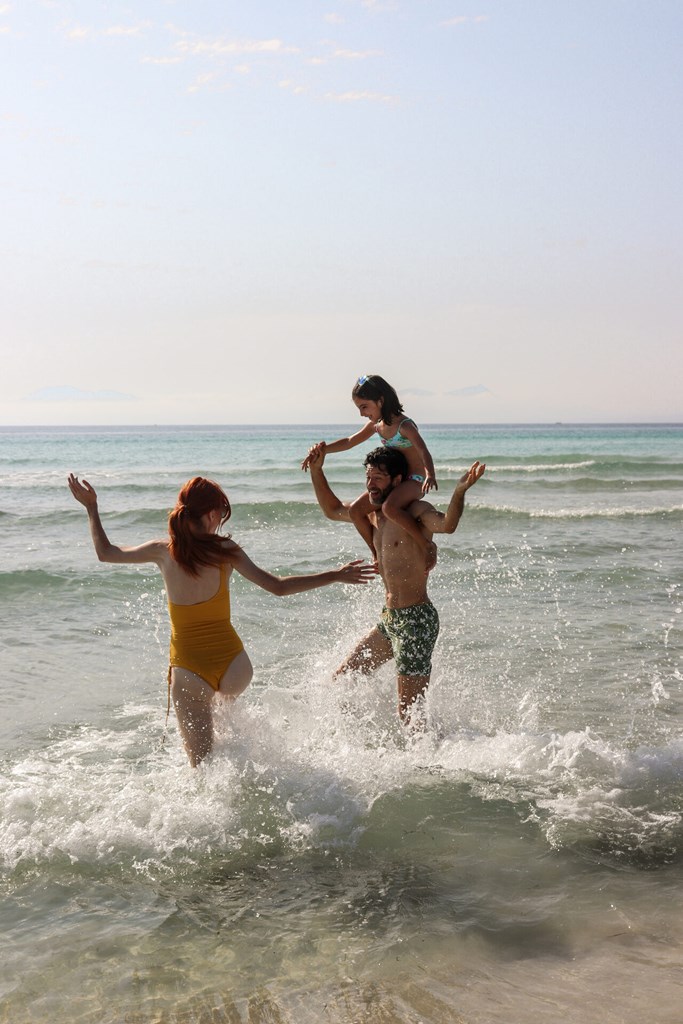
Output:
x,y
373,387
190,546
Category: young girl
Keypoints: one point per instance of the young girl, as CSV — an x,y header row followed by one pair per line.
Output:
x,y
379,403
207,659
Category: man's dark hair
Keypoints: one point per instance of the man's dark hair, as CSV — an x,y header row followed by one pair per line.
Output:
x,y
390,459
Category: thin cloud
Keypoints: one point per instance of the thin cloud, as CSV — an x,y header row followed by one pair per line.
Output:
x,y
334,19
357,54
212,81
353,96
175,30
220,46
78,32
127,30
470,392
119,265
192,127
418,392
295,89
162,60
81,32
379,5
342,53
66,393
464,19
186,46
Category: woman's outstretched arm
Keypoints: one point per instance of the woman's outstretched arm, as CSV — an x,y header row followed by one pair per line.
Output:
x,y
281,586
152,551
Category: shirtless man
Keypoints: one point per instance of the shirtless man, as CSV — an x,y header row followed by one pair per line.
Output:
x,y
409,623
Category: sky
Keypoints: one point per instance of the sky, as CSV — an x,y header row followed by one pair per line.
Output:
x,y
224,212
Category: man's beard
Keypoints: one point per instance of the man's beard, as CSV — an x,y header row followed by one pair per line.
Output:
x,y
383,495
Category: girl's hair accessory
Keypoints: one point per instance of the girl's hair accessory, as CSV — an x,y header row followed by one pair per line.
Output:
x,y
363,379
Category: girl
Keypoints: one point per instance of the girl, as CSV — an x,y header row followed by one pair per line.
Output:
x,y
207,659
379,403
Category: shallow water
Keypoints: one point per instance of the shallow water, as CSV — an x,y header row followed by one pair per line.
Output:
x,y
518,861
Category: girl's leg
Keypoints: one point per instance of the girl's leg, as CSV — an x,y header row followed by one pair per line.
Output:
x,y
395,506
360,509
193,699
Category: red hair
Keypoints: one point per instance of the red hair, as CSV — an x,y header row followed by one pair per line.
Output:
x,y
190,545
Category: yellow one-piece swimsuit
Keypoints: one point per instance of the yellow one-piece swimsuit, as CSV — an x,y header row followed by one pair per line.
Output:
x,y
203,640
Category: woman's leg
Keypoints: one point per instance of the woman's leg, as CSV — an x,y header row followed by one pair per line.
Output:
x,y
193,700
236,677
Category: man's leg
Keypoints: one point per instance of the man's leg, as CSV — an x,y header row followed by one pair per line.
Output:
x,y
410,688
415,631
371,652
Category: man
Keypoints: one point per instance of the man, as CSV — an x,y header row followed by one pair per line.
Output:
x,y
409,624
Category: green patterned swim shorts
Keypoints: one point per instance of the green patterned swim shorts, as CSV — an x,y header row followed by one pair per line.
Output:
x,y
412,633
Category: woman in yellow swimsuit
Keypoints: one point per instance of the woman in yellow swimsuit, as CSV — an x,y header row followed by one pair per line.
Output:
x,y
207,659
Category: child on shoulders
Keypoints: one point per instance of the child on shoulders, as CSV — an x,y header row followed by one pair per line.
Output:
x,y
377,401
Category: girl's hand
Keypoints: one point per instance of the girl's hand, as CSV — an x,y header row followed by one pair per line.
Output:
x,y
357,572
82,492
430,481
313,452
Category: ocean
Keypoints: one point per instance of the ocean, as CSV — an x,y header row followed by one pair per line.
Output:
x,y
519,861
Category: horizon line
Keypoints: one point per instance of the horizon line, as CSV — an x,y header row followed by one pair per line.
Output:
x,y
328,423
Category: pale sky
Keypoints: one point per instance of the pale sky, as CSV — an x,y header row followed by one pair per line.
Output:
x,y
225,212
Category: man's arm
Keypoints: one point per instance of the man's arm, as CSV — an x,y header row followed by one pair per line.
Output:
x,y
331,505
440,522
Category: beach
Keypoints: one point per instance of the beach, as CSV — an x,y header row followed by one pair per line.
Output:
x,y
518,861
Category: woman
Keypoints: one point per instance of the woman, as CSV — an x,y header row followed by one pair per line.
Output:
x,y
207,659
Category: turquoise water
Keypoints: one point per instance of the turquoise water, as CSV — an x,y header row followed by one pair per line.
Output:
x,y
519,862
